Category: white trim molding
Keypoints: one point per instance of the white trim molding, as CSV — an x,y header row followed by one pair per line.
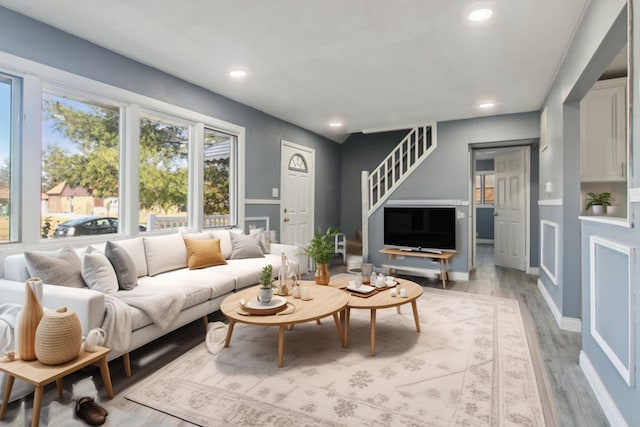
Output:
x,y
604,398
430,202
634,195
261,201
571,324
257,219
626,371
556,255
550,202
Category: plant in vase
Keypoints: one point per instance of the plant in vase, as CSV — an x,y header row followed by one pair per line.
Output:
x,y
266,284
597,201
320,249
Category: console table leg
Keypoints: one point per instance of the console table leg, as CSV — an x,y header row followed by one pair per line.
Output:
x,y
443,274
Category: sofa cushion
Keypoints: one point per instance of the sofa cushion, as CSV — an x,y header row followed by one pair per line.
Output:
x,y
225,241
135,249
60,267
205,235
246,272
165,253
98,273
197,285
203,253
123,265
245,246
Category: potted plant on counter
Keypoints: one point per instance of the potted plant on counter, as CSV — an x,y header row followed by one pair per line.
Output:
x,y
320,249
597,201
266,284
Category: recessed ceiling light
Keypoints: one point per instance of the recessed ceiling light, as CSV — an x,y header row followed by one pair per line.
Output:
x,y
480,14
336,124
487,104
238,72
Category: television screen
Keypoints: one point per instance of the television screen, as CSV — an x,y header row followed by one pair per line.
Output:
x,y
432,228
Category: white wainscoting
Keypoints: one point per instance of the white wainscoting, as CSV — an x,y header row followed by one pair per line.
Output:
x,y
604,398
550,202
634,195
571,324
550,271
598,269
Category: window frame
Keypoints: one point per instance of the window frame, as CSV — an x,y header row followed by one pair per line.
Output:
x,y
27,167
483,203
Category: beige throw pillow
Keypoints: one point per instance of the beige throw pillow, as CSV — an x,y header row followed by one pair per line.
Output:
x,y
244,246
203,253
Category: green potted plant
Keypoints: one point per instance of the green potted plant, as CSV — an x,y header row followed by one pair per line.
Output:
x,y
597,201
320,249
266,284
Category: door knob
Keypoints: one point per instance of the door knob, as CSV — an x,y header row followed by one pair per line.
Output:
x,y
285,219
285,210
495,214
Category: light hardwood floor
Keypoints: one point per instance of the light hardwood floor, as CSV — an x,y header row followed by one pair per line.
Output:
x,y
568,398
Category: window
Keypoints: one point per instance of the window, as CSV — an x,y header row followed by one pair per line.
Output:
x,y
484,188
80,158
9,116
219,173
164,151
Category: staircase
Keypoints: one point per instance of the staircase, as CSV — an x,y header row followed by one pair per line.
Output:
x,y
398,165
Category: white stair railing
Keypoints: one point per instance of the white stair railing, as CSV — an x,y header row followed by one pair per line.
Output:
x,y
399,164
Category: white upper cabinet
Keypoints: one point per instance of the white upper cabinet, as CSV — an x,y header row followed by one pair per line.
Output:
x,y
603,132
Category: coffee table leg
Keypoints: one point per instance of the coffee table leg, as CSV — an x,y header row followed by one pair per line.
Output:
x,y
5,397
37,404
414,305
336,318
373,331
106,377
280,345
347,315
227,340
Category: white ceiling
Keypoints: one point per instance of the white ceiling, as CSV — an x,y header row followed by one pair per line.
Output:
x,y
375,64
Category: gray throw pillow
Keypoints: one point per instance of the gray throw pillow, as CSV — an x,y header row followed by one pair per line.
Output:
x,y
60,267
123,265
98,273
243,246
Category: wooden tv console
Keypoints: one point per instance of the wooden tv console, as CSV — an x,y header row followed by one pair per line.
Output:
x,y
443,258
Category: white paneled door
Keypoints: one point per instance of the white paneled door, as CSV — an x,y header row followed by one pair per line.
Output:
x,y
510,209
297,193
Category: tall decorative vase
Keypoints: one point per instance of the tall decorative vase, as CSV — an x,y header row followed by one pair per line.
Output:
x,y
29,318
322,274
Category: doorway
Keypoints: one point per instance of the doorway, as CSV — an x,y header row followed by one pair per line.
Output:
x,y
297,185
500,196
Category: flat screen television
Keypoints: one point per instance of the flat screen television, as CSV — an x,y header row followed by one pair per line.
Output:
x,y
423,228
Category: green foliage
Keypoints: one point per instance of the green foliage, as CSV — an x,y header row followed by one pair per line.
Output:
x,y
322,246
46,228
603,199
266,276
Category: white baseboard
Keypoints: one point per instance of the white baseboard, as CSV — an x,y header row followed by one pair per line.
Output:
x,y
604,398
427,272
533,270
485,241
571,324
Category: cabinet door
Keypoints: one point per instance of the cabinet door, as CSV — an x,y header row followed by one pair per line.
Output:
x,y
603,135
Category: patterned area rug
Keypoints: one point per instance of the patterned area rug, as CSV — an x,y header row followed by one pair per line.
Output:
x,y
469,366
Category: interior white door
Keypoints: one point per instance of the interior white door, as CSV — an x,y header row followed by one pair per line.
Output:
x,y
297,193
510,209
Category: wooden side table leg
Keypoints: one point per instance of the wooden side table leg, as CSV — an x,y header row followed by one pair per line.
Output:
x,y
414,305
373,332
280,345
227,340
106,377
7,392
59,387
37,404
336,318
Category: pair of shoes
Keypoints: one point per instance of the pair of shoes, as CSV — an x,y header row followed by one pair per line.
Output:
x,y
88,410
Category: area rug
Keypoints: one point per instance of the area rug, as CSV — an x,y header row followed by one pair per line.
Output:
x,y
470,366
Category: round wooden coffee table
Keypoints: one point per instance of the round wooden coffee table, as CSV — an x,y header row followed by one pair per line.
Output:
x,y
326,301
379,300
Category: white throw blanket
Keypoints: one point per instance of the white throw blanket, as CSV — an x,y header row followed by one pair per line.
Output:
x,y
8,316
161,305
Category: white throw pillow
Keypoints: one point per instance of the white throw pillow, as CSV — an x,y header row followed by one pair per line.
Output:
x,y
98,273
56,268
245,246
263,238
165,253
225,241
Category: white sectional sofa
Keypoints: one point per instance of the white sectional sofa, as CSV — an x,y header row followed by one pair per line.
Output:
x,y
162,274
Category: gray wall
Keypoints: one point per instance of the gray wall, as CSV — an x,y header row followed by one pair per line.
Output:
x,y
445,175
30,39
602,33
